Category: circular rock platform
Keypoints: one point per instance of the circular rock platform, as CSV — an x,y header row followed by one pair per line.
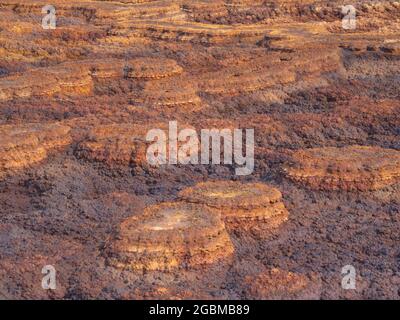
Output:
x,y
170,235
240,202
350,168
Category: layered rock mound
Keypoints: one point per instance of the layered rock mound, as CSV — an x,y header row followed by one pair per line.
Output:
x,y
23,145
165,94
121,144
240,202
152,68
112,70
111,144
76,79
170,235
350,168
198,32
260,73
277,284
65,79
138,68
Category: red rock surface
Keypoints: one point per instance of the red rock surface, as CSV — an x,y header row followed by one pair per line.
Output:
x,y
276,284
24,145
77,102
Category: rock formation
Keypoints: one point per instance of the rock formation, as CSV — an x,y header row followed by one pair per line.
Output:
x,y
169,94
28,144
350,168
121,144
67,79
111,144
239,202
76,104
170,235
152,68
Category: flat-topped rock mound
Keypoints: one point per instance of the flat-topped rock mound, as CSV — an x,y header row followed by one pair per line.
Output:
x,y
348,168
76,78
277,284
169,94
152,68
245,78
121,144
241,75
23,145
198,32
107,68
111,144
137,68
68,79
240,202
170,235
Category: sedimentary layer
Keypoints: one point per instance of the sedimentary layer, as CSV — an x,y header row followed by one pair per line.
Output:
x,y
240,202
349,168
27,144
170,235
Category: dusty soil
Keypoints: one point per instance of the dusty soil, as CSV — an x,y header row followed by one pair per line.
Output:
x,y
76,103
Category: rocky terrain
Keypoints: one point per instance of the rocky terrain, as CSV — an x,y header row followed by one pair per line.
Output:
x,y
77,191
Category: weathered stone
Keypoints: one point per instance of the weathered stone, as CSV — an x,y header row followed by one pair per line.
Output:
x,y
240,202
348,168
170,235
24,145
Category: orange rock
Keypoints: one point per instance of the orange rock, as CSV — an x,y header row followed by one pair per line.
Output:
x,y
27,144
152,68
170,235
111,144
348,168
121,144
198,32
139,68
169,93
67,79
240,202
